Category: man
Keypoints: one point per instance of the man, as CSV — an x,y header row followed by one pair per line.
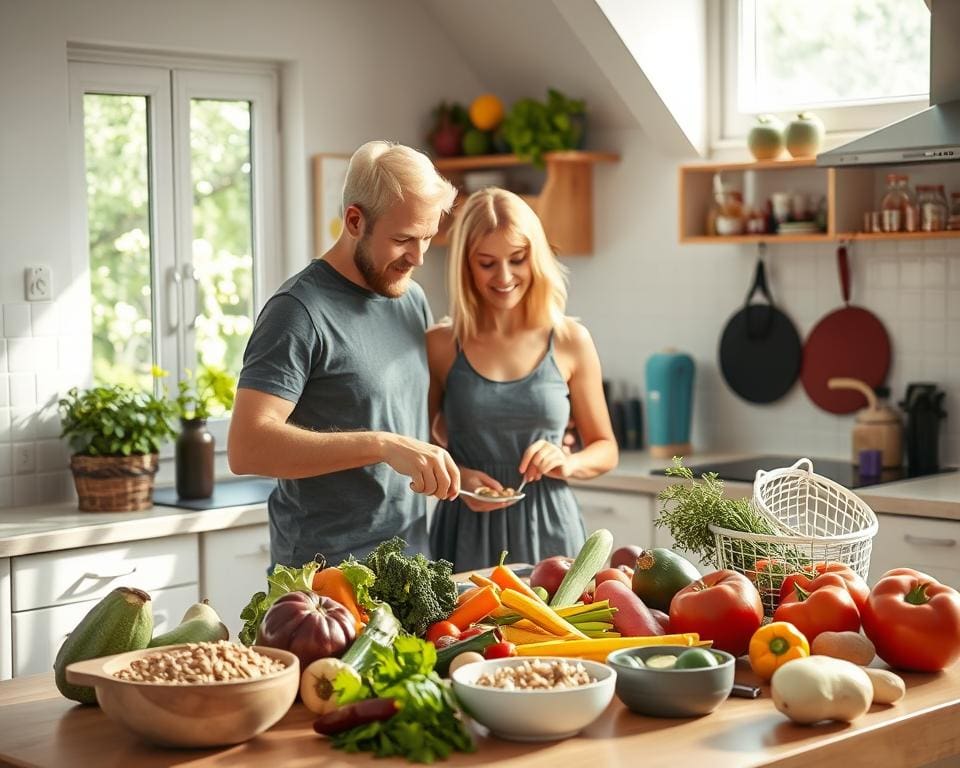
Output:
x,y
332,398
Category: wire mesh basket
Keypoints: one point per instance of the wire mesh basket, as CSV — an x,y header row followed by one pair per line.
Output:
x,y
816,520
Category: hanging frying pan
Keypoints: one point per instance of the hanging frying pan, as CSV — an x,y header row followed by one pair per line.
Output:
x,y
850,342
760,349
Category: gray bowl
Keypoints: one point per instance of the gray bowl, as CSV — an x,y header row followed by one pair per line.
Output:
x,y
671,692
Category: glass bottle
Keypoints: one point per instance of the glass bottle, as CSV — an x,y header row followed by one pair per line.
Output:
x,y
897,198
954,221
933,207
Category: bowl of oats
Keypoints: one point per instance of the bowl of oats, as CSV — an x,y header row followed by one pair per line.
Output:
x,y
194,694
536,698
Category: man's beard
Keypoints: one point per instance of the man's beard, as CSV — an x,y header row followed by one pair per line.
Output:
x,y
379,282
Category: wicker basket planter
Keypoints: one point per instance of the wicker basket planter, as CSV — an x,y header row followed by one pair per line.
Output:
x,y
114,483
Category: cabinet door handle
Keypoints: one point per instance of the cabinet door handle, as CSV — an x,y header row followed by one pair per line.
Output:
x,y
928,541
109,576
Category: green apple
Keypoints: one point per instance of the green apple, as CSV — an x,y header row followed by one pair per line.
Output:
x,y
765,140
804,135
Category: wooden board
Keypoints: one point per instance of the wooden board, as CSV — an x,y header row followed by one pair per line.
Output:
x,y
41,728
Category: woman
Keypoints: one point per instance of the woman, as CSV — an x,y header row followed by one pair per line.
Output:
x,y
505,374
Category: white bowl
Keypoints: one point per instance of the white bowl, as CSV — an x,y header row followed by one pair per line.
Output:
x,y
538,715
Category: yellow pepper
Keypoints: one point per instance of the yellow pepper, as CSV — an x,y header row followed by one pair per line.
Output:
x,y
774,645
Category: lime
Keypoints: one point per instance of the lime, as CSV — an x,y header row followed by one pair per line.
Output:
x,y
476,142
696,658
662,661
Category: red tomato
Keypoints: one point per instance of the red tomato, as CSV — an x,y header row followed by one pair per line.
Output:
x,y
500,650
442,629
913,620
827,607
809,580
722,606
472,632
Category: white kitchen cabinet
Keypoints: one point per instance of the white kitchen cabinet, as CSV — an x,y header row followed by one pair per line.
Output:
x,y
628,516
233,566
6,634
38,634
925,544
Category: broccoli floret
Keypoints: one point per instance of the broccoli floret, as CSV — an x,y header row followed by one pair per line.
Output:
x,y
420,591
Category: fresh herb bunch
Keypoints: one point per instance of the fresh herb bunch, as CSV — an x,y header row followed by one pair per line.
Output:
x,y
115,421
426,727
533,127
420,591
691,506
211,394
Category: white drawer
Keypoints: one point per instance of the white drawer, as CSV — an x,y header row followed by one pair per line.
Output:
x,y
38,635
931,546
74,575
234,567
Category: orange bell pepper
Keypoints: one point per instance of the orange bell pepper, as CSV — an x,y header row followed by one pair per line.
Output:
x,y
330,582
774,645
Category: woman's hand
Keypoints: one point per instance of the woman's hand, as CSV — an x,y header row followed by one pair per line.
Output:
x,y
545,458
470,480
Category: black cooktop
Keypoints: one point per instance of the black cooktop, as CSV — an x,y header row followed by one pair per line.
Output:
x,y
843,472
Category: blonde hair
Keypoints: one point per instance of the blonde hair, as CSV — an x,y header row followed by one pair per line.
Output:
x,y
497,210
382,174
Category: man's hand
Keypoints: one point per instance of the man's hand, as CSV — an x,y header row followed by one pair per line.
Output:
x,y
544,458
430,468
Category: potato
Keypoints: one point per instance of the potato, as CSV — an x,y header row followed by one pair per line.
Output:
x,y
888,688
819,688
849,646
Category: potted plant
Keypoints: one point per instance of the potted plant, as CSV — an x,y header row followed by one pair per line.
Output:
x,y
115,433
210,394
532,127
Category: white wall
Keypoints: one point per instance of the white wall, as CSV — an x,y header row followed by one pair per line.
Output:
x,y
351,71
642,292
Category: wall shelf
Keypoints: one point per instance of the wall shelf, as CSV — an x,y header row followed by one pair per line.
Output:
x,y
564,204
848,192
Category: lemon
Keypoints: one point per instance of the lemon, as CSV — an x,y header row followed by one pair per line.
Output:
x,y
486,112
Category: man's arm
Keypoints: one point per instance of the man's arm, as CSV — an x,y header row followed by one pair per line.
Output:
x,y
262,442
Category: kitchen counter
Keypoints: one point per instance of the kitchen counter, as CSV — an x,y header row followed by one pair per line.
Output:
x,y
42,729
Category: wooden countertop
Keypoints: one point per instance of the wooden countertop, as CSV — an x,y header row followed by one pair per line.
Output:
x,y
39,728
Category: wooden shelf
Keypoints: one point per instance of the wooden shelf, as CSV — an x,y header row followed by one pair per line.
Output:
x,y
564,204
848,192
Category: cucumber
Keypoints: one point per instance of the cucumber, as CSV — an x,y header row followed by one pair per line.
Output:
x,y
381,630
591,558
659,575
200,624
121,622
476,643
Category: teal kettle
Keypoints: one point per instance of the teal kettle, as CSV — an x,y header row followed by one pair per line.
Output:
x,y
669,378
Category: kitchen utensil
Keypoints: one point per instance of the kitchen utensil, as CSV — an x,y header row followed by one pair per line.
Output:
x,y
492,499
849,342
877,427
760,349
923,405
671,692
669,377
195,714
534,715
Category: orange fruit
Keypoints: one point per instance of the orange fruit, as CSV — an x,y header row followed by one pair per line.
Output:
x,y
486,112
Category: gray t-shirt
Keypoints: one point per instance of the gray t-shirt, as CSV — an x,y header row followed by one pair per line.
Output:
x,y
351,360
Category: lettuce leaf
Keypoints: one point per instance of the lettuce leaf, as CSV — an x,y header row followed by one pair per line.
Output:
x,y
284,579
361,579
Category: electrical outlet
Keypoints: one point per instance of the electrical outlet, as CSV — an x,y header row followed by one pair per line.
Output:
x,y
36,283
24,457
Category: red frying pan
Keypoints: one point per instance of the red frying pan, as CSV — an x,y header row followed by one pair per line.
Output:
x,y
850,342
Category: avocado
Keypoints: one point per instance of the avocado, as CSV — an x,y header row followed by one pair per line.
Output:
x,y
696,658
659,574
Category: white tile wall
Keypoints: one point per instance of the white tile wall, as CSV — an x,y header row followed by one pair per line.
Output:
x,y
35,359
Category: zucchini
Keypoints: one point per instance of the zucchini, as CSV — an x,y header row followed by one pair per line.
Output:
x,y
200,624
476,643
591,558
121,622
382,629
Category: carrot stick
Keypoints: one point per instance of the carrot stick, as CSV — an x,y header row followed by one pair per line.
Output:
x,y
477,607
482,581
507,579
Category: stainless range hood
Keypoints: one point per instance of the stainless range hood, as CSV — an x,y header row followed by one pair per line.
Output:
x,y
932,135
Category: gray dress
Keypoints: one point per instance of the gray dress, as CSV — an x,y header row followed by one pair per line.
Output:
x,y
489,426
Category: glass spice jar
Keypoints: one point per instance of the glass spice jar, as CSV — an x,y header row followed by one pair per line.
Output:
x,y
933,207
898,198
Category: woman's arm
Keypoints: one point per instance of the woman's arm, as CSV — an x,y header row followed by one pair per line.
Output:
x,y
441,352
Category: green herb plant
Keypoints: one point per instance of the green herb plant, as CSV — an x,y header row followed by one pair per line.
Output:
x,y
533,127
210,394
115,421
426,727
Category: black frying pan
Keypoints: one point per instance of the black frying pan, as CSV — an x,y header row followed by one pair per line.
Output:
x,y
760,350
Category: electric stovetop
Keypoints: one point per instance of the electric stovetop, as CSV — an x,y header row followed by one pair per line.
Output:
x,y
843,472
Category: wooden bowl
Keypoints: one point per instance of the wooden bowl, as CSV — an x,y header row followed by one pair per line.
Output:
x,y
193,714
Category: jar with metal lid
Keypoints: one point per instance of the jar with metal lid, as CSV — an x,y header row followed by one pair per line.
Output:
x,y
933,207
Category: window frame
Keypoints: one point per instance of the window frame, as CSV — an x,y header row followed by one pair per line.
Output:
x,y
169,83
729,127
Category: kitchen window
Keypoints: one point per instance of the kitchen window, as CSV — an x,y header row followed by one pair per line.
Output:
x,y
176,194
859,64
